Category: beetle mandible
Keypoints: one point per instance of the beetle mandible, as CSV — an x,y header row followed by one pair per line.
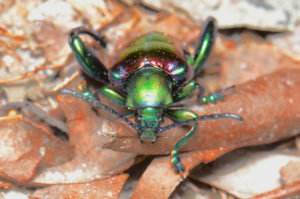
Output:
x,y
150,76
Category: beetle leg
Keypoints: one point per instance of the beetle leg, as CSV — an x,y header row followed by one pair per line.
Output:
x,y
130,114
88,97
187,90
218,95
202,118
91,65
205,44
106,91
181,115
111,94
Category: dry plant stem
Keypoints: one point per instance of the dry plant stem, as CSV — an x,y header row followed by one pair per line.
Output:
x,y
36,111
154,184
30,73
190,185
9,46
290,190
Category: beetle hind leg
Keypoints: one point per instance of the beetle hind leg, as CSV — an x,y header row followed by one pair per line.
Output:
x,y
204,46
91,65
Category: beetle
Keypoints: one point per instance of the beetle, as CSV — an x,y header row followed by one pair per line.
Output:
x,y
149,77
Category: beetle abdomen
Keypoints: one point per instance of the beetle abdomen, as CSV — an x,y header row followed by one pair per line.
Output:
x,y
153,49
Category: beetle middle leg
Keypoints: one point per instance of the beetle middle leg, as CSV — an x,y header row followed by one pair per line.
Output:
x,y
88,97
112,95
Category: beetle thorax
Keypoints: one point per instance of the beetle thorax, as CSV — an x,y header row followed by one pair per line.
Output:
x,y
149,87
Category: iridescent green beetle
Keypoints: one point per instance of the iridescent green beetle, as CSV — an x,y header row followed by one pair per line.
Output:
x,y
150,76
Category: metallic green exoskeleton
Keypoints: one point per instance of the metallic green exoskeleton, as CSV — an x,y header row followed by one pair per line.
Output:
x,y
150,75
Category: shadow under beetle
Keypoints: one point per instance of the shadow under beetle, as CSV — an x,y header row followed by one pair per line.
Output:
x,y
150,76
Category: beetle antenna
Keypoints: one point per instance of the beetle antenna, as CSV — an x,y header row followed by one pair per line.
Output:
x,y
202,118
97,103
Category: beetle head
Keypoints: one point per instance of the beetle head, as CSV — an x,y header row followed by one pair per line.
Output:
x,y
147,135
149,119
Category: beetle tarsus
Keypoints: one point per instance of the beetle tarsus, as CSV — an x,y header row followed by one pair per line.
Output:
x,y
178,166
216,96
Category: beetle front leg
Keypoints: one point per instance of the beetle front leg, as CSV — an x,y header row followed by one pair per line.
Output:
x,y
91,65
218,95
187,90
181,115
